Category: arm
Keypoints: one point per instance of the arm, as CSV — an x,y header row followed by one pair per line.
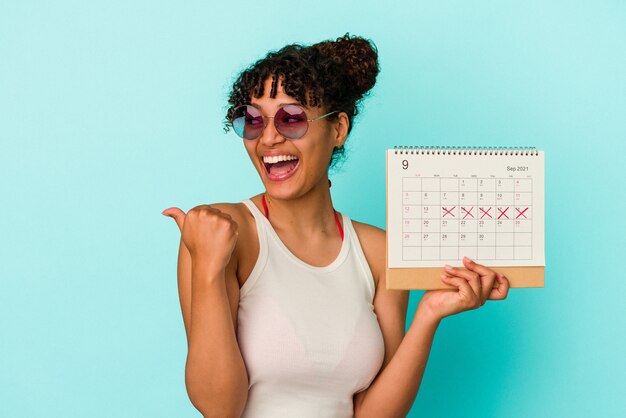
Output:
x,y
393,391
215,374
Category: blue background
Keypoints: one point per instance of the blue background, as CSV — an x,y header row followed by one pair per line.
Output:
x,y
112,111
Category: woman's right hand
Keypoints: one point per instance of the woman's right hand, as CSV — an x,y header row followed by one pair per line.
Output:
x,y
207,232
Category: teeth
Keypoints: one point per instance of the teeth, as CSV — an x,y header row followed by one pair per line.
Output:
x,y
273,159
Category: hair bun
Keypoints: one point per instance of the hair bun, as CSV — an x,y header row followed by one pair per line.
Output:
x,y
358,56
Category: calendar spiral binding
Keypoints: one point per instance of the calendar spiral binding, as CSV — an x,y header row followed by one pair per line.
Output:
x,y
470,150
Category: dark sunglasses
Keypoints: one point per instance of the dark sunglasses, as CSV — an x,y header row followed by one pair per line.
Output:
x,y
290,121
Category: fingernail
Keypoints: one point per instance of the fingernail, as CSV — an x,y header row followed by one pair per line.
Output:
x,y
447,267
443,276
467,259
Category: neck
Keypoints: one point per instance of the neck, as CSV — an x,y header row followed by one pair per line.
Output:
x,y
311,212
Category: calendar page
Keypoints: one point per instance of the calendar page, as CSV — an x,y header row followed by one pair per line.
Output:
x,y
443,205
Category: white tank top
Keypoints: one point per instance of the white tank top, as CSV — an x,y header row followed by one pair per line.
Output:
x,y
308,335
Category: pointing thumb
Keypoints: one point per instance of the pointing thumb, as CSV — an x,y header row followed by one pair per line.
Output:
x,y
178,216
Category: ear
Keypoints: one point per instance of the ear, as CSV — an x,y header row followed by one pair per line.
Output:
x,y
341,129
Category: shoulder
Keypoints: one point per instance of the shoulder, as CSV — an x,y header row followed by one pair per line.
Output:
x,y
239,213
373,242
371,230
236,210
369,235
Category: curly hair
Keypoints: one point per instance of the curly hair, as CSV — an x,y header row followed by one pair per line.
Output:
x,y
335,75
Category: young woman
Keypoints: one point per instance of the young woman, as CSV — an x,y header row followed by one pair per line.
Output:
x,y
283,298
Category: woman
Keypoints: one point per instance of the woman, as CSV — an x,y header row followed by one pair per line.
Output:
x,y
284,299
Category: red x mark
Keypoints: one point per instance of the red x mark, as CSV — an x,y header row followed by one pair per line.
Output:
x,y
521,213
485,213
503,213
448,212
467,212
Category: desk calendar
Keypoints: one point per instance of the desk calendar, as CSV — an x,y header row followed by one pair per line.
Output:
x,y
447,203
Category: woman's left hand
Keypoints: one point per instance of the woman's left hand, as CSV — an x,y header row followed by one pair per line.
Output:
x,y
474,286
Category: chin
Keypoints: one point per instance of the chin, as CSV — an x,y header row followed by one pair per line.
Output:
x,y
282,186
282,191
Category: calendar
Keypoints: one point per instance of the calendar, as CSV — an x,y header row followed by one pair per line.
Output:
x,y
447,203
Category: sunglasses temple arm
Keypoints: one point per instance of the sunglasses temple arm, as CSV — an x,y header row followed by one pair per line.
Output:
x,y
323,116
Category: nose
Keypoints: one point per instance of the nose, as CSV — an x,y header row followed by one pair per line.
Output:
x,y
270,136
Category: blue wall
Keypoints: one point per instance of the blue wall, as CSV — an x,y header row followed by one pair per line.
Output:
x,y
111,111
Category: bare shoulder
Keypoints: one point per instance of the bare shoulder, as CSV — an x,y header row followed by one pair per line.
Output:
x,y
373,242
235,210
242,216
370,236
370,233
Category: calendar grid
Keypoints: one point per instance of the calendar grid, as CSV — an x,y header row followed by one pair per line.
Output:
x,y
446,218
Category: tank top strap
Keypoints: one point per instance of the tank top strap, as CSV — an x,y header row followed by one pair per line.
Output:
x,y
253,209
262,233
359,254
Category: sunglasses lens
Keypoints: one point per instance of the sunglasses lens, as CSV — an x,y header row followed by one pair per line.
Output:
x,y
291,121
248,122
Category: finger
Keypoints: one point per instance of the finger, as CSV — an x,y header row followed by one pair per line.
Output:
x,y
472,278
466,292
497,292
474,266
487,277
502,290
461,284
177,214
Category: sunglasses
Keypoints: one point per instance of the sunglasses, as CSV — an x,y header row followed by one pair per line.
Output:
x,y
290,121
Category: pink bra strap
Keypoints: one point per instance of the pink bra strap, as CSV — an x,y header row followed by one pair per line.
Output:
x,y
338,224
265,207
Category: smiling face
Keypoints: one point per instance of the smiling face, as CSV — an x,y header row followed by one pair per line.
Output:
x,y
291,168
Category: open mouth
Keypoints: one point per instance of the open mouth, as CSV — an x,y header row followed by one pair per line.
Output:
x,y
280,167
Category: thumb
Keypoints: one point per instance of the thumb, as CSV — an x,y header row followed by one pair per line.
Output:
x,y
178,216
